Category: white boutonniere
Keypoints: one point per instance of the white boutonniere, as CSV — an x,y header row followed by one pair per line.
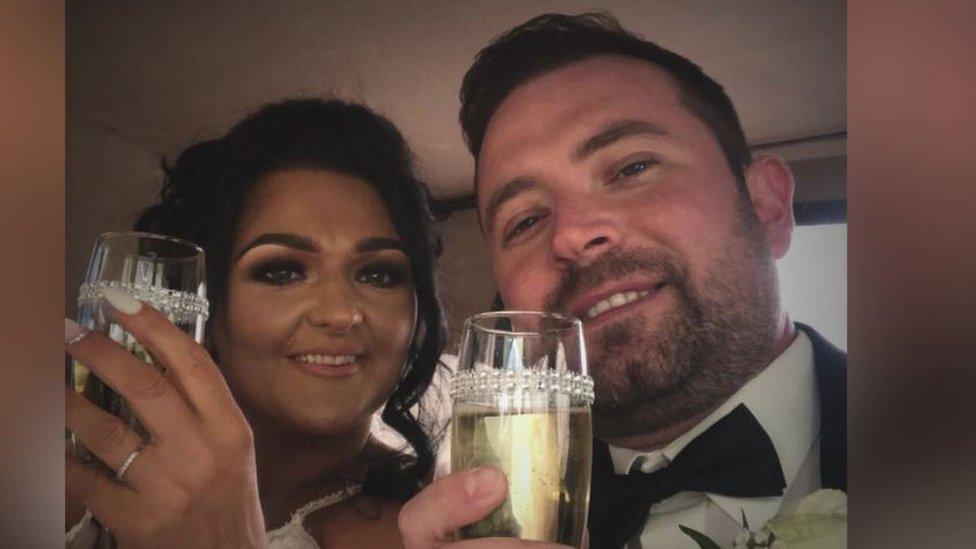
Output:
x,y
819,521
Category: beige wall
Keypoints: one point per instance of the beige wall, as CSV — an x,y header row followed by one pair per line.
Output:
x,y
464,271
108,181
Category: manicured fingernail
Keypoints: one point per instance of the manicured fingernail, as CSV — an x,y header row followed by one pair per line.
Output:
x,y
482,483
121,301
73,332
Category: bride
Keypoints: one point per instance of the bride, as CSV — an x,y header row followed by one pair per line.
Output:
x,y
323,311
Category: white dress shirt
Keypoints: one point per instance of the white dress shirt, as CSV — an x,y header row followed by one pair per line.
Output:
x,y
783,398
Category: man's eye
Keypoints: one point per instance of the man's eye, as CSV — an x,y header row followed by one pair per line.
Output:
x,y
633,168
522,226
382,275
279,273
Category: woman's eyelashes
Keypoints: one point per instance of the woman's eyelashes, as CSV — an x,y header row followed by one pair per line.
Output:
x,y
383,274
279,272
285,272
376,272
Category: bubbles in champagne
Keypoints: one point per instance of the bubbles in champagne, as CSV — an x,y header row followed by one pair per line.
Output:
x,y
186,310
546,457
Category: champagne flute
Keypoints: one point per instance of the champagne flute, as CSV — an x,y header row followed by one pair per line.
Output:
x,y
522,400
165,272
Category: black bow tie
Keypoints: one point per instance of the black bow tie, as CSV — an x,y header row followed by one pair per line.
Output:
x,y
733,457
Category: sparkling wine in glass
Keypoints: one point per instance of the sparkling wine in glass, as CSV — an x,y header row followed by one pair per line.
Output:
x,y
165,272
522,400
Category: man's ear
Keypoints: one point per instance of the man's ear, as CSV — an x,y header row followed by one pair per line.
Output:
x,y
770,184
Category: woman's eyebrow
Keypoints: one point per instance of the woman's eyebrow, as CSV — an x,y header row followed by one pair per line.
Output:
x,y
290,240
378,243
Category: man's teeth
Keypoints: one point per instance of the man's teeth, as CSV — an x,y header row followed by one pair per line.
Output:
x,y
614,301
331,360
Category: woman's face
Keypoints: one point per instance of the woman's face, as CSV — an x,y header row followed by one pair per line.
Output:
x,y
319,312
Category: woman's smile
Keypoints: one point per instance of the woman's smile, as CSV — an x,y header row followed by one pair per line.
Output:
x,y
328,366
330,362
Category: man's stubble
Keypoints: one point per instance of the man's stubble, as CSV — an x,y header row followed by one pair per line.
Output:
x,y
709,344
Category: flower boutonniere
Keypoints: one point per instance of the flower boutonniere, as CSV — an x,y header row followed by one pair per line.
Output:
x,y
819,521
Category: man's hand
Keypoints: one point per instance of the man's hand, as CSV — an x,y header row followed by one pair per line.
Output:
x,y
428,521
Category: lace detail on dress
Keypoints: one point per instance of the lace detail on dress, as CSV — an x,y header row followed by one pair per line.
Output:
x,y
82,535
293,534
290,536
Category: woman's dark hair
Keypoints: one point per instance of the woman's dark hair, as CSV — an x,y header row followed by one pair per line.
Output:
x,y
554,40
204,191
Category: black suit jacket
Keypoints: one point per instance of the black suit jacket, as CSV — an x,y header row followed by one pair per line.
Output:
x,y
830,366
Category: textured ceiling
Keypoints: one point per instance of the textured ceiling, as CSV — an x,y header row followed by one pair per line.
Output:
x,y
159,75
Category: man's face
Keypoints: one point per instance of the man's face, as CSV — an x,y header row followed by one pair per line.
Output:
x,y
602,196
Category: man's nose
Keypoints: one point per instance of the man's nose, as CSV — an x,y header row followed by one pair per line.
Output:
x,y
334,306
582,232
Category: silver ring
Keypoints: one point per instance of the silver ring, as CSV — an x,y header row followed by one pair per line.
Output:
x,y
120,473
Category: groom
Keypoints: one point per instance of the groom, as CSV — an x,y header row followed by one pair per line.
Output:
x,y
614,183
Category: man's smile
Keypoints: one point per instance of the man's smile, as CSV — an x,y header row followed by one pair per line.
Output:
x,y
605,304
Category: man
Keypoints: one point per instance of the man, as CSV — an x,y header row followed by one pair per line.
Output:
x,y
614,183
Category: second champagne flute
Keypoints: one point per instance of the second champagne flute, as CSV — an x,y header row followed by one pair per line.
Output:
x,y
522,400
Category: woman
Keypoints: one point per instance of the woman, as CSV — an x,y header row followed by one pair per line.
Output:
x,y
323,310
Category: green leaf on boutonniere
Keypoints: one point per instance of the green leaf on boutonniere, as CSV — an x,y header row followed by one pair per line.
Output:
x,y
745,523
702,540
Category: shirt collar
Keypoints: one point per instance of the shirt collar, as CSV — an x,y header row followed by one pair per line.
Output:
x,y
783,399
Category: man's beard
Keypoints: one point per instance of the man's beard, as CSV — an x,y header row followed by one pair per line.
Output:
x,y
705,348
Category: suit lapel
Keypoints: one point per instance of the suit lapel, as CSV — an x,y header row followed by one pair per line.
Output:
x,y
830,364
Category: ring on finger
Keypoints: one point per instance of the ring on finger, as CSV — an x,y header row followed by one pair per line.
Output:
x,y
120,473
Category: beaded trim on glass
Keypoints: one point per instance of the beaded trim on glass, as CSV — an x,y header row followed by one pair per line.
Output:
x,y
180,307
489,384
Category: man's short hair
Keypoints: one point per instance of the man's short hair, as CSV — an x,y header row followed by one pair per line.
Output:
x,y
552,41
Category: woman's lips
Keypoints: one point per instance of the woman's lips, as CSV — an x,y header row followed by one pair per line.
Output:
x,y
326,365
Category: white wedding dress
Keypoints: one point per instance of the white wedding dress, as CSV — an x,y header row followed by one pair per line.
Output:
x,y
290,536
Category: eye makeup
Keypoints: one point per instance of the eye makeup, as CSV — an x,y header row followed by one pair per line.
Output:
x,y
384,274
277,271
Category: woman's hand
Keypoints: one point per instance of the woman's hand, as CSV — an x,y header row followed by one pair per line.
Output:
x,y
194,483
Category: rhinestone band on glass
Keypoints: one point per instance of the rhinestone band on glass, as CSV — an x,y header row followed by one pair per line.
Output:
x,y
487,384
180,307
